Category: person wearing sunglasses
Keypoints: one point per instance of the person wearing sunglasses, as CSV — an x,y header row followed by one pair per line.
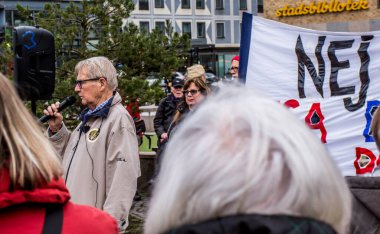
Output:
x,y
100,156
195,91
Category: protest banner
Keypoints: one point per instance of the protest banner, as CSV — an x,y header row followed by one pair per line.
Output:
x,y
330,80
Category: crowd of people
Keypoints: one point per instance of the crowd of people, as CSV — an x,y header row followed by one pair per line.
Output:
x,y
228,161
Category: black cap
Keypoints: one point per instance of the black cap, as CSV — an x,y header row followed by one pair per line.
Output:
x,y
177,82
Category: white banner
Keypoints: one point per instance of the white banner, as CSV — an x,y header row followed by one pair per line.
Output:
x,y
331,80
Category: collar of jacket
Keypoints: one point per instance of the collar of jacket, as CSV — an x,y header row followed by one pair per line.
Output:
x,y
172,101
53,192
273,224
102,112
172,98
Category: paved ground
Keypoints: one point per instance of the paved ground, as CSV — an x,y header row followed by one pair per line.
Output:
x,y
137,215
140,207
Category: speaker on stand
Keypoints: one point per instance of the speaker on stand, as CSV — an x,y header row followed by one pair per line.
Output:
x,y
34,63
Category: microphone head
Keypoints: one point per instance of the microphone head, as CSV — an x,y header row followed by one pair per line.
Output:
x,y
67,102
71,99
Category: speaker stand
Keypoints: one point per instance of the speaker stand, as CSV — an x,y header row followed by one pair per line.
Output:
x,y
34,107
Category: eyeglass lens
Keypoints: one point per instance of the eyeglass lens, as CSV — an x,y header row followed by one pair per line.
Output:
x,y
193,92
80,82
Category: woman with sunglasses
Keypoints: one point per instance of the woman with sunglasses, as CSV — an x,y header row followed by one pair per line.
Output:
x,y
195,91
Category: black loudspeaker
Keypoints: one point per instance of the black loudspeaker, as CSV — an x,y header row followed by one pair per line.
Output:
x,y
34,62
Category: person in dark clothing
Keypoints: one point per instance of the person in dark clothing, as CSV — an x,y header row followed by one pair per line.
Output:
x,y
166,110
365,192
243,163
164,116
260,224
195,91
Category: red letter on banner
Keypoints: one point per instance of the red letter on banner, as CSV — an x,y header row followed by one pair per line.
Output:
x,y
292,103
365,161
314,119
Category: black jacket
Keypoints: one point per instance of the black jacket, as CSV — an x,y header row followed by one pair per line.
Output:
x,y
183,110
164,114
260,224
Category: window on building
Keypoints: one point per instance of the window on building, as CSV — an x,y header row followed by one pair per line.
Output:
x,y
201,28
17,19
243,4
144,26
219,4
185,4
143,4
159,3
200,4
219,30
186,28
9,18
160,26
260,6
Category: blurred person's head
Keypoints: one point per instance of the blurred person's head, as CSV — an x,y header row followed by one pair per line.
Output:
x,y
177,87
96,80
195,90
375,127
235,67
196,71
24,150
241,153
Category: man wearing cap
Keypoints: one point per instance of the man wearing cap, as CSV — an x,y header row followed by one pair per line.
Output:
x,y
165,112
235,67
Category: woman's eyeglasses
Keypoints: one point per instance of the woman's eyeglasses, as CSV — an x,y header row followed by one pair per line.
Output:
x,y
234,68
80,82
192,91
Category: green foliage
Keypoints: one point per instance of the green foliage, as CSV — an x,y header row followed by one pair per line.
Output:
x,y
6,54
92,28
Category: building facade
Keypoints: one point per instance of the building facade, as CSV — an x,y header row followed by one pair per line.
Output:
x,y
214,26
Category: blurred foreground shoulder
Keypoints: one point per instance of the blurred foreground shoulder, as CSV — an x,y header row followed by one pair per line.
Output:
x,y
86,219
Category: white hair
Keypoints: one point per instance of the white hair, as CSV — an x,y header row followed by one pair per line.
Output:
x,y
241,153
99,67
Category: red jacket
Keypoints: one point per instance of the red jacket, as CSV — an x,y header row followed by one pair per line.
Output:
x,y
22,211
133,109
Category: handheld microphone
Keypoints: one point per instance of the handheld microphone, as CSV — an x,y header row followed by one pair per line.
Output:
x,y
66,103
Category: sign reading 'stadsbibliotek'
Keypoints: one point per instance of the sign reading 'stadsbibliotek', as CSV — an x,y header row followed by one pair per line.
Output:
x,y
330,80
334,6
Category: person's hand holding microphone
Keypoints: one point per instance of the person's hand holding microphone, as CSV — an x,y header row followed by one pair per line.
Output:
x,y
53,114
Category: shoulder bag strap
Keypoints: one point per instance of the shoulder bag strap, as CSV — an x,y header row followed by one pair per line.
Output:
x,y
53,219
